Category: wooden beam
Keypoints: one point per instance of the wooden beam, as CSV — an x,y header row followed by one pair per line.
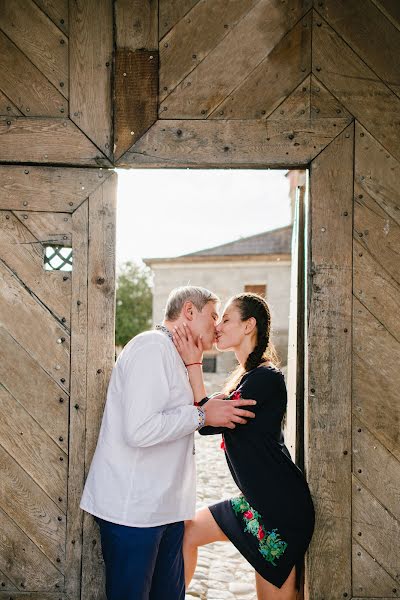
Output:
x,y
214,143
328,365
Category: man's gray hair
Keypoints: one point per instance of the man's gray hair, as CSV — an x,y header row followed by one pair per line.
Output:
x,y
177,298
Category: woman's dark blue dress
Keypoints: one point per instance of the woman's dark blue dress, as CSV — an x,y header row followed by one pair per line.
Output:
x,y
272,521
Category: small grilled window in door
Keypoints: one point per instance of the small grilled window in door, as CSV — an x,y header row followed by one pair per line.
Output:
x,y
261,290
58,258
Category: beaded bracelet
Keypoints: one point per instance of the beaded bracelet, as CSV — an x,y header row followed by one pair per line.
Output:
x,y
202,417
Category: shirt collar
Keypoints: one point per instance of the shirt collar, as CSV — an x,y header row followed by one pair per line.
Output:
x,y
164,330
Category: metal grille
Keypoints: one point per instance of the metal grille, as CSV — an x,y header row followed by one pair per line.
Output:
x,y
58,258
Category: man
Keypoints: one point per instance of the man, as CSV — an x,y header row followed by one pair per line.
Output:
x,y
141,486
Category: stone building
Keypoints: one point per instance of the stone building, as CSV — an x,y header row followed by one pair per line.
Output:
x,y
259,263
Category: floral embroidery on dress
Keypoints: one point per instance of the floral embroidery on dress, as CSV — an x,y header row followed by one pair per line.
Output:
x,y
270,543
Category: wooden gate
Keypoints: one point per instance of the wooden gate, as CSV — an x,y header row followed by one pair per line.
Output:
x,y
206,83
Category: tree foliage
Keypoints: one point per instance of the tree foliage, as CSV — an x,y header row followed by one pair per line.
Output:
x,y
133,302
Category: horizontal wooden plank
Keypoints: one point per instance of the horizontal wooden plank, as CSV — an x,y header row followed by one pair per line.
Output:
x,y
23,562
57,11
369,578
24,255
273,79
369,33
376,378
51,227
376,468
7,107
232,60
136,24
194,37
39,98
376,528
40,140
34,328
31,447
217,143
46,408
43,188
33,511
39,39
356,86
171,12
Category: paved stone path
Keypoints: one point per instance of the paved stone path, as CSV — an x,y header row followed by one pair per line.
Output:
x,y
222,573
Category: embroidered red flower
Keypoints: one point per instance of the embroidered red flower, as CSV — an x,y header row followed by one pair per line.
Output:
x,y
261,533
223,444
236,395
248,514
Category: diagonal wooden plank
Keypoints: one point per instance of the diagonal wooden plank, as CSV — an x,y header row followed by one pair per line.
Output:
x,y
171,12
28,506
296,105
6,584
378,233
57,11
365,29
376,527
51,227
91,55
376,289
323,104
31,447
22,561
391,10
40,140
376,468
7,107
39,98
356,86
376,378
377,173
24,255
232,60
369,578
193,38
50,405
38,38
234,142
273,79
25,187
34,328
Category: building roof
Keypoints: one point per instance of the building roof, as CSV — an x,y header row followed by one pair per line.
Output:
x,y
266,244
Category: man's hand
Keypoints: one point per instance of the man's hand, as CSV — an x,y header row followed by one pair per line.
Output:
x,y
226,413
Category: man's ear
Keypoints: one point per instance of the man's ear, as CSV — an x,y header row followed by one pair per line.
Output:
x,y
187,310
251,323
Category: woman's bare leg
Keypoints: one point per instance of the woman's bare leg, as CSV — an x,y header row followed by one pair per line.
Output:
x,y
200,531
267,591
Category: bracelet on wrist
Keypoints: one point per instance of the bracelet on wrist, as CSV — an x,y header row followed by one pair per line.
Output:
x,y
195,363
203,401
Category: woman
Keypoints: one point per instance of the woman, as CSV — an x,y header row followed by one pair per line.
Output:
x,y
272,521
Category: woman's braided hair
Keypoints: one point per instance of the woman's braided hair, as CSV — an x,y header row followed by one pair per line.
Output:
x,y
253,305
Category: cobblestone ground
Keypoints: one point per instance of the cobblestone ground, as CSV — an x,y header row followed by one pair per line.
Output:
x,y
222,573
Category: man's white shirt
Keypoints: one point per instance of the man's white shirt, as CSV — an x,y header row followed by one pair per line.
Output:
x,y
143,471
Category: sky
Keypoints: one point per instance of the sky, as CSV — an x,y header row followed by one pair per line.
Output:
x,y
168,212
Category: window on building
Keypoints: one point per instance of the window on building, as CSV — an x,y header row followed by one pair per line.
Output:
x,y
261,290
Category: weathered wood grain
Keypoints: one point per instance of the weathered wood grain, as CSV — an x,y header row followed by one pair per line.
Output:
x,y
33,327
51,227
217,143
101,303
28,506
194,37
391,10
328,409
369,33
57,11
7,107
369,578
356,86
39,98
232,60
91,48
273,80
77,411
171,12
23,562
376,378
19,372
378,527
323,104
39,39
33,596
30,446
52,141
46,189
6,583
295,106
24,255
136,24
